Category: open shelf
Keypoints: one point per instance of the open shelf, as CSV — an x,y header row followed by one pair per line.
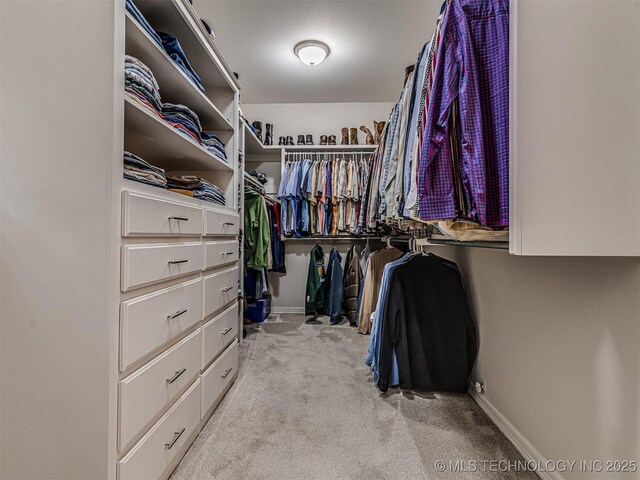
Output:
x,y
254,146
499,245
172,16
133,186
175,86
160,144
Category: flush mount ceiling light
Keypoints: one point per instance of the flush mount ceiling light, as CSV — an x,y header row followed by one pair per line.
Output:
x,y
311,52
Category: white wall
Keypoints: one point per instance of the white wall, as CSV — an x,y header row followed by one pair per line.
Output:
x,y
559,350
317,118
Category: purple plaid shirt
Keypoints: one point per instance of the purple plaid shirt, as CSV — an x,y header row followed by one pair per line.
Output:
x,y
473,65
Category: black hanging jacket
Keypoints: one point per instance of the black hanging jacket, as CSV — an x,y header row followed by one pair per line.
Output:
x,y
428,322
314,301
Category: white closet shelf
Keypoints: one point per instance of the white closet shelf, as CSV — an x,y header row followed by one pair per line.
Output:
x,y
175,86
495,244
254,146
137,187
173,17
160,144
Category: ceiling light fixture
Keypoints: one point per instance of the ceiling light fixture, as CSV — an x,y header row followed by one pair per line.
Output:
x,y
311,52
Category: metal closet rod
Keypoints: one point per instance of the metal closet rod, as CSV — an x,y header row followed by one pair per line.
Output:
x,y
325,155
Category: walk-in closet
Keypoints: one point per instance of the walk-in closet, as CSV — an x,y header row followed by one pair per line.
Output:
x,y
319,239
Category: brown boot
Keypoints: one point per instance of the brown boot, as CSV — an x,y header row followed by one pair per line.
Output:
x,y
345,136
379,128
369,140
332,140
353,136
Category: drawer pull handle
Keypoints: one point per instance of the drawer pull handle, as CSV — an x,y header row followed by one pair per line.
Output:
x,y
176,262
227,253
226,373
175,377
175,438
231,224
226,330
177,314
184,219
227,289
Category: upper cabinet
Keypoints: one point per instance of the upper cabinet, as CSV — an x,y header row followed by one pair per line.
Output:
x,y
575,128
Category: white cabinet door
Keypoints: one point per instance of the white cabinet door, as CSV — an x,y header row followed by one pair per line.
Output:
x,y
149,216
149,321
220,289
221,252
147,391
219,333
152,455
218,378
152,263
219,223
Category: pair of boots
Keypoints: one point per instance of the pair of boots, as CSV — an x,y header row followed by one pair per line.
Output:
x,y
327,139
268,139
378,127
349,136
302,140
286,140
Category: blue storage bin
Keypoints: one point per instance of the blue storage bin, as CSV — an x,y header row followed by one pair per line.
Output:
x,y
260,310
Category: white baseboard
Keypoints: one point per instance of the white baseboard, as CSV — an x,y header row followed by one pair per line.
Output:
x,y
287,310
519,441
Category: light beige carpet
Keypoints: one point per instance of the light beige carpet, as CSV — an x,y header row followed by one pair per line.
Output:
x,y
305,406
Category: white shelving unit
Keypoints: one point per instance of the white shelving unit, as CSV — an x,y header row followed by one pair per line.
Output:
x,y
150,137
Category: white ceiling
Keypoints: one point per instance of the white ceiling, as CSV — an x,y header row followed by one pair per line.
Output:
x,y
371,42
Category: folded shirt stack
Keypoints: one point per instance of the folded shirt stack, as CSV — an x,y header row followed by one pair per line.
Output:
x,y
135,13
172,46
138,170
196,187
183,119
140,84
214,145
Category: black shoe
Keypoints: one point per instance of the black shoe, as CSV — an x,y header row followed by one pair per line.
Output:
x,y
289,140
331,140
323,139
282,141
268,137
309,140
301,140
258,130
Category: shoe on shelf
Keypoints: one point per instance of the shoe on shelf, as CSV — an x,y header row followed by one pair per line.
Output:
x,y
282,141
345,136
331,140
378,127
301,140
369,140
323,139
257,128
268,136
309,140
353,136
289,140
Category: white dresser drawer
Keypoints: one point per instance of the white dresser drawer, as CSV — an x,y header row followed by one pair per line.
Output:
x,y
218,223
219,333
149,321
155,452
146,392
145,216
220,289
151,263
217,379
220,252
